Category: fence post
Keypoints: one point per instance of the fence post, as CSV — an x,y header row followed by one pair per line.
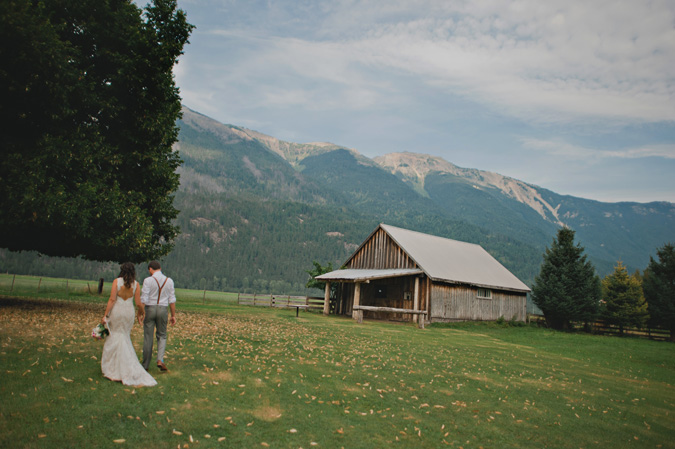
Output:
x,y
253,299
238,298
204,297
13,279
39,282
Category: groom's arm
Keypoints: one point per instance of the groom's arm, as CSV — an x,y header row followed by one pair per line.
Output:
x,y
171,292
145,291
172,307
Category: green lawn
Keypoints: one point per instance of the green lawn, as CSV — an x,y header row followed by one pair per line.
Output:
x,y
259,377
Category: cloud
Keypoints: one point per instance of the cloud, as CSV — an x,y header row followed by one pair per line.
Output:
x,y
589,84
536,61
575,152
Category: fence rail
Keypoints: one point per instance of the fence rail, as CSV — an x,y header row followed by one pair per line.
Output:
x,y
600,327
360,309
603,328
256,300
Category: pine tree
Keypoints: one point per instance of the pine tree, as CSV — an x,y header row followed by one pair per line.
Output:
x,y
659,288
567,289
624,303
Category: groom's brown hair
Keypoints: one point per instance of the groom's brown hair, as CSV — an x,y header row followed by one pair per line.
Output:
x,y
154,265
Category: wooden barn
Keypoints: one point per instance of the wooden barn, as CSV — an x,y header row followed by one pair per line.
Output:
x,y
403,275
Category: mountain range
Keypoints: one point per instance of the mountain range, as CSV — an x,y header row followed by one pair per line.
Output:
x,y
325,199
256,211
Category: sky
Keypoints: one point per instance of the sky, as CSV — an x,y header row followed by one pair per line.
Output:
x,y
574,96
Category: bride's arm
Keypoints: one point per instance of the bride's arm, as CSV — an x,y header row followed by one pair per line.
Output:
x,y
140,307
111,301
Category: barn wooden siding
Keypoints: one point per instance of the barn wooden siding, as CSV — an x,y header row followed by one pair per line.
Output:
x,y
380,252
459,303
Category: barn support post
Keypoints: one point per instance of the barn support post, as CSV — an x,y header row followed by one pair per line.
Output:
x,y
326,299
357,314
416,301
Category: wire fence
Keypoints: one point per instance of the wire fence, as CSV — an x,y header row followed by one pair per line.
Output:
x,y
46,287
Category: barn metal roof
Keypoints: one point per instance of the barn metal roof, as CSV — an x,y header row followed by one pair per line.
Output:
x,y
453,261
367,275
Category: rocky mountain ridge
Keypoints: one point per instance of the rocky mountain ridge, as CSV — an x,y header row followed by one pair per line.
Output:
x,y
414,168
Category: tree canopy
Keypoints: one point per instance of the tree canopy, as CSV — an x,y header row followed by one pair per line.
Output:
x,y
89,107
659,288
318,270
566,289
624,303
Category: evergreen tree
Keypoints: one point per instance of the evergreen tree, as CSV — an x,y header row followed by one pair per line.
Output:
x,y
566,288
659,288
624,303
318,270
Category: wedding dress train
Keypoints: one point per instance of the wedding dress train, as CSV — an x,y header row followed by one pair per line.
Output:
x,y
119,361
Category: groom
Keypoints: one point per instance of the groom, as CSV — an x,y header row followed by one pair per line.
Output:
x,y
159,297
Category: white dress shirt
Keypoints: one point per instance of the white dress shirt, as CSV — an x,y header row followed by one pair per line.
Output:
x,y
150,290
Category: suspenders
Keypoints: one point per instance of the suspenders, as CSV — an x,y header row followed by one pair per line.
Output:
x,y
160,288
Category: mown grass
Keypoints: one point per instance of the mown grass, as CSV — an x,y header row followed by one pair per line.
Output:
x,y
259,377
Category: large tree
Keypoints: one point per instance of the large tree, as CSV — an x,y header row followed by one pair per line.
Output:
x,y
623,301
659,288
88,105
566,289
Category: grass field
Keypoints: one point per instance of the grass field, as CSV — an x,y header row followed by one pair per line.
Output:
x,y
69,289
259,377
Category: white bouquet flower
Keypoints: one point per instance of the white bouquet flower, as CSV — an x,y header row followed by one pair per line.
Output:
x,y
100,332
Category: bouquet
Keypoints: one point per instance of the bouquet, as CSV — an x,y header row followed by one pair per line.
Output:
x,y
100,332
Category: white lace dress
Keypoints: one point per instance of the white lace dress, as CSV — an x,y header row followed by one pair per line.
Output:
x,y
119,361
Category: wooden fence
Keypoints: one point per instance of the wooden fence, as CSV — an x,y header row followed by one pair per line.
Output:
x,y
312,302
602,328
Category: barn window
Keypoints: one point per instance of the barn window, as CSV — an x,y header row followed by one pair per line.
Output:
x,y
485,293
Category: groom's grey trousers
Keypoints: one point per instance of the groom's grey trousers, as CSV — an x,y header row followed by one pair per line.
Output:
x,y
156,317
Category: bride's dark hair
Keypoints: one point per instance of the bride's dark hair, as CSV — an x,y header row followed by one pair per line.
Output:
x,y
128,273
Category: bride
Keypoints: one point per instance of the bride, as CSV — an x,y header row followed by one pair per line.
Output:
x,y
119,361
